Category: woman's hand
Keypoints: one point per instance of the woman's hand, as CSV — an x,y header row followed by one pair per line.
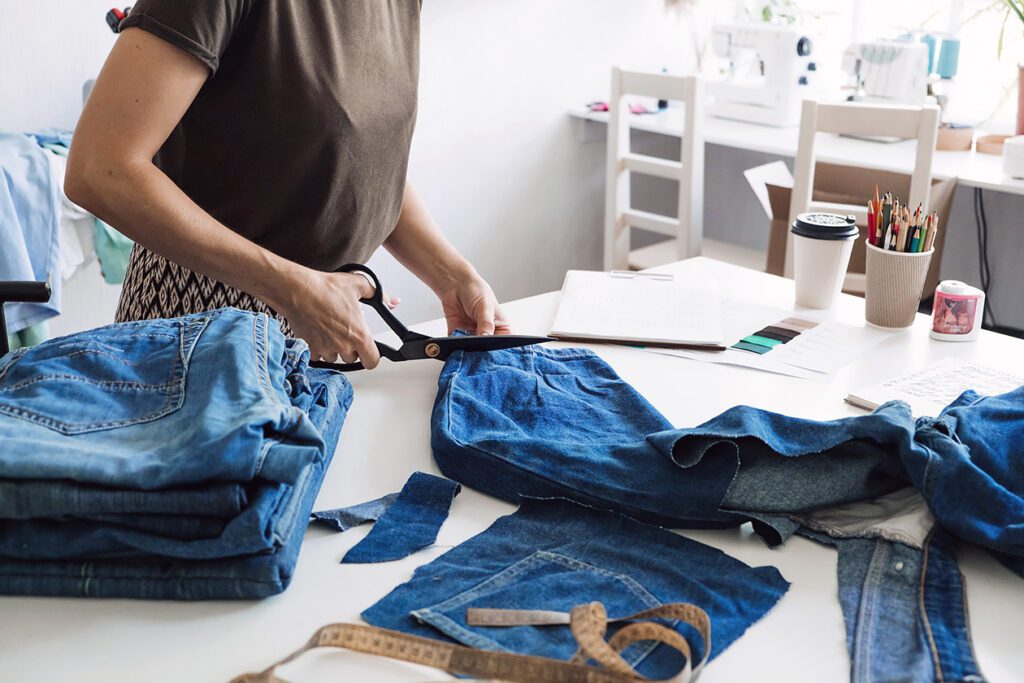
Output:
x,y
324,309
469,304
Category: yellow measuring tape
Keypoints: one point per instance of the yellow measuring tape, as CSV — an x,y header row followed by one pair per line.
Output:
x,y
588,623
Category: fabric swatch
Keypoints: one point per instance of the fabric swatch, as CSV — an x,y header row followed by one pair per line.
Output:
x,y
343,519
410,524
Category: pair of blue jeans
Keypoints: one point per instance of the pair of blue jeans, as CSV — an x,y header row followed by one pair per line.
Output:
x,y
194,478
555,554
545,422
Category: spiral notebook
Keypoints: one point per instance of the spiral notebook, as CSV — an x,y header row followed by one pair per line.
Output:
x,y
643,309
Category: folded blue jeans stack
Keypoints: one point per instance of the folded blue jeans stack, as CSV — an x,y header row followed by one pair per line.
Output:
x,y
170,459
886,490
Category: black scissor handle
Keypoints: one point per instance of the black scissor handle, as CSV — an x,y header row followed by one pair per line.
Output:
x,y
376,301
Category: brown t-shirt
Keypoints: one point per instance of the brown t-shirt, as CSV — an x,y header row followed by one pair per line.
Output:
x,y
300,138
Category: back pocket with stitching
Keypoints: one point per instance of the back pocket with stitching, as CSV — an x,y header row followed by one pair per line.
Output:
x,y
541,581
115,376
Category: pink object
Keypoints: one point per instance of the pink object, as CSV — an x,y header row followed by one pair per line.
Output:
x,y
1020,100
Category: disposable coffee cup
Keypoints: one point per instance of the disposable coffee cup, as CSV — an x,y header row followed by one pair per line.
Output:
x,y
822,244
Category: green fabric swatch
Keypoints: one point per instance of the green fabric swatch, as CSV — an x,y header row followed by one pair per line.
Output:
x,y
763,341
756,348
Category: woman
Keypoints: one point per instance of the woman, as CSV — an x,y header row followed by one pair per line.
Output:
x,y
250,147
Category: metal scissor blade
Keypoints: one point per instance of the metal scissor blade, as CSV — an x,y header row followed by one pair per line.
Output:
x,y
490,342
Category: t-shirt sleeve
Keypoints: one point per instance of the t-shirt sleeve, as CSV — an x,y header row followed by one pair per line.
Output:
x,y
202,28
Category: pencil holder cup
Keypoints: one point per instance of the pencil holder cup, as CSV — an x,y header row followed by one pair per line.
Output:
x,y
894,282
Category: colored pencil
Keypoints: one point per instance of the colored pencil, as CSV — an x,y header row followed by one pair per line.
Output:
x,y
915,241
871,222
931,235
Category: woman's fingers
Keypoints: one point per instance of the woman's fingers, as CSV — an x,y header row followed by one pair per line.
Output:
x,y
484,314
367,349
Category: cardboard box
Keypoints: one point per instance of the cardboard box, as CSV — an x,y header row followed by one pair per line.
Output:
x,y
851,185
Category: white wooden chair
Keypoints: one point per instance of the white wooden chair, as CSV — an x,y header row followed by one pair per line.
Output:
x,y
867,120
687,227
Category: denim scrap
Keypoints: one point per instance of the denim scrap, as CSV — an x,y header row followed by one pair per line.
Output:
x,y
554,554
559,422
343,519
410,524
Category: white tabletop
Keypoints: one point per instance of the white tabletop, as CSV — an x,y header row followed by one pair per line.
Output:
x,y
386,438
971,168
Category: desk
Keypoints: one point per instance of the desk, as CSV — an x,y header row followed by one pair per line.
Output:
x,y
386,438
972,169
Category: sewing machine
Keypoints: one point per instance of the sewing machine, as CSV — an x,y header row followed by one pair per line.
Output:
x,y
891,72
769,73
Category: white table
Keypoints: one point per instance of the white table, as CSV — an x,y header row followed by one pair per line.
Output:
x,y
971,168
386,438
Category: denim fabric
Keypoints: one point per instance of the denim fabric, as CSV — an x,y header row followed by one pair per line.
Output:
x,y
410,524
129,405
229,387
500,426
556,554
20,499
545,422
251,576
343,519
970,470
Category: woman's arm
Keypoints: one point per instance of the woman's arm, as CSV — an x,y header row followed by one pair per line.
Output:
x,y
418,244
142,92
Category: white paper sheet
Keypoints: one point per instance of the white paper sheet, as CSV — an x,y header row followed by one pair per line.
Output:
x,y
638,307
816,354
930,389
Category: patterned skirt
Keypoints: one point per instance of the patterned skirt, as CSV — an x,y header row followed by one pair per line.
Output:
x,y
157,288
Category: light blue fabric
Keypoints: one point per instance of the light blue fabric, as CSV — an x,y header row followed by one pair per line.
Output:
x,y
52,136
29,226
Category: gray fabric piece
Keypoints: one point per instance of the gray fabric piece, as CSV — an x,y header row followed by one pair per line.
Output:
x,y
343,519
901,517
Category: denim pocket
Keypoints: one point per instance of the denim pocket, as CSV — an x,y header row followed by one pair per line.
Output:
x,y
541,581
115,376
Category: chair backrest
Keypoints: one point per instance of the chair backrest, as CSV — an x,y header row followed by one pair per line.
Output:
x,y
687,227
865,120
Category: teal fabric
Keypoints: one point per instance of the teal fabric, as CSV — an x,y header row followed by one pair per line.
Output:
x,y
113,250
30,336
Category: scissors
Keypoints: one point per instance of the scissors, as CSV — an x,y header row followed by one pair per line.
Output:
x,y
417,346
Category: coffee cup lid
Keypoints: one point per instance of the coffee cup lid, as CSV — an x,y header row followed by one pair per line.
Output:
x,y
825,226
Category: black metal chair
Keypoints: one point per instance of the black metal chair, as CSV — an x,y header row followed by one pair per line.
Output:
x,y
34,292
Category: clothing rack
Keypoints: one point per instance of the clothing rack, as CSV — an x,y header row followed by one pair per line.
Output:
x,y
34,292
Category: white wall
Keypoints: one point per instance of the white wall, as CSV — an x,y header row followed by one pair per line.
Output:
x,y
494,153
48,49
